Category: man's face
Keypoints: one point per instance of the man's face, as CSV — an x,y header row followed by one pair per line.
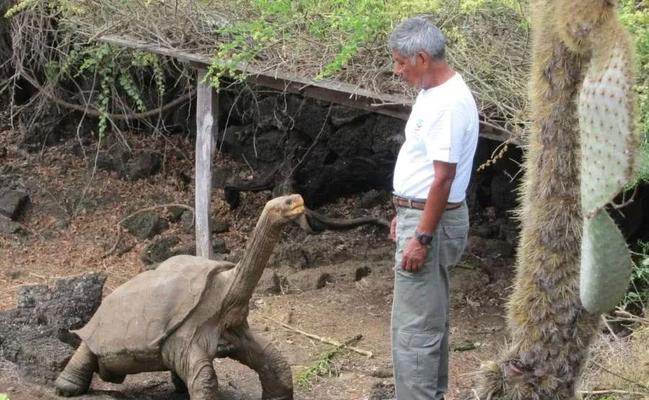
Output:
x,y
410,72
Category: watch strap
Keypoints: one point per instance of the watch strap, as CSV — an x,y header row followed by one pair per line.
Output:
x,y
423,238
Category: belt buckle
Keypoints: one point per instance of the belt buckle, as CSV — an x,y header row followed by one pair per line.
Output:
x,y
410,203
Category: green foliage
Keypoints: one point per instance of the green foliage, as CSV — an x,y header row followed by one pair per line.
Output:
x,y
61,6
350,26
110,79
246,41
357,23
4,396
635,16
20,7
115,69
321,367
638,294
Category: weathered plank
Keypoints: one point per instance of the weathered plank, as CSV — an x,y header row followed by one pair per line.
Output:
x,y
206,130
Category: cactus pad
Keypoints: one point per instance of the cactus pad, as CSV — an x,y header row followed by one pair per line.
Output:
x,y
605,264
608,137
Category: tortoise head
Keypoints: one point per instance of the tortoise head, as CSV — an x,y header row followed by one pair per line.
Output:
x,y
281,210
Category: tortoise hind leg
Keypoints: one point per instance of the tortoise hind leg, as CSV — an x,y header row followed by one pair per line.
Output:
x,y
76,377
272,368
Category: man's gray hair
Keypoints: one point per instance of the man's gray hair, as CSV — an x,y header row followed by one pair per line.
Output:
x,y
417,34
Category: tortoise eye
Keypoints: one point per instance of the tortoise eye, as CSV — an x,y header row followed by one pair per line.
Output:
x,y
287,202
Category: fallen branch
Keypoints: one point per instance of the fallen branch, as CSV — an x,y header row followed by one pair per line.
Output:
x,y
322,339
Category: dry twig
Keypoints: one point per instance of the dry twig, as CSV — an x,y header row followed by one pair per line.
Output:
x,y
336,343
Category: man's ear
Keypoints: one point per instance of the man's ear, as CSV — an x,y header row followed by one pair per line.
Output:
x,y
422,58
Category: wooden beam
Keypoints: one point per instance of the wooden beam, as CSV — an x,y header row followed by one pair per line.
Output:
x,y
206,131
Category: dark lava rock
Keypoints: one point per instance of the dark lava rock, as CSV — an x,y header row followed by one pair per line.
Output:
x,y
269,283
35,334
13,202
145,225
160,250
9,227
142,166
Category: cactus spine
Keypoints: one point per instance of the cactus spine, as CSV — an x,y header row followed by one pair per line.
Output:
x,y
572,262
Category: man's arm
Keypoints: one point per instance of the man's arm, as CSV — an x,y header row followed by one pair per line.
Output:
x,y
415,253
437,196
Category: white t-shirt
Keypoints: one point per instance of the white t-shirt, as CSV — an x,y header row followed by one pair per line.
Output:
x,y
443,126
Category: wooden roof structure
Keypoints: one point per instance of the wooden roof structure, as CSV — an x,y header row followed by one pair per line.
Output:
x,y
397,106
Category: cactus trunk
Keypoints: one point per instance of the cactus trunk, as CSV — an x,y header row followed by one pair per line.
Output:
x,y
576,83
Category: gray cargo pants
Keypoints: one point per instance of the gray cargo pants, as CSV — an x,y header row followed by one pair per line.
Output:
x,y
420,306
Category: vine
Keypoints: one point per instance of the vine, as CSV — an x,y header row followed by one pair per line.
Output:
x,y
116,78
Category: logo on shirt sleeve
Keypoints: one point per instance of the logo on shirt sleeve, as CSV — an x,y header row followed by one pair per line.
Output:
x,y
419,123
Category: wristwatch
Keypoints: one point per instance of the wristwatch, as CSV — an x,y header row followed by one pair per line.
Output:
x,y
423,238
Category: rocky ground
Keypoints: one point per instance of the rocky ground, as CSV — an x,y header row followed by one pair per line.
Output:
x,y
63,218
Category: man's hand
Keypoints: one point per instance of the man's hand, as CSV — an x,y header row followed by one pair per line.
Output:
x,y
414,256
393,230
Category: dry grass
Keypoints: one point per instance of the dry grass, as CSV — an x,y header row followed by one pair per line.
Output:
x,y
619,366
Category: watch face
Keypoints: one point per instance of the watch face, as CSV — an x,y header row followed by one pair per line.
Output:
x,y
424,239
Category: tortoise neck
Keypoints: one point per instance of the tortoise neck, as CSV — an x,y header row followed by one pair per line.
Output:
x,y
258,250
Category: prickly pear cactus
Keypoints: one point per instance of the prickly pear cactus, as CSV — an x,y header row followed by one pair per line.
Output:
x,y
572,261
609,143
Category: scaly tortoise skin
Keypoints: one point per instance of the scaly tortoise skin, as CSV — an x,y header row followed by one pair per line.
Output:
x,y
181,316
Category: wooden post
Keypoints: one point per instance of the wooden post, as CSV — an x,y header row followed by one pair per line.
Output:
x,y
206,131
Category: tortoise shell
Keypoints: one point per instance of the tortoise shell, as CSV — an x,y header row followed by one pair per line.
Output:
x,y
141,313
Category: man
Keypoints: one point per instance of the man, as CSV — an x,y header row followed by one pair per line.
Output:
x,y
432,222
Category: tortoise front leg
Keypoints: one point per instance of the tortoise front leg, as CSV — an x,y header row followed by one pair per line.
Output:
x,y
199,376
76,377
260,355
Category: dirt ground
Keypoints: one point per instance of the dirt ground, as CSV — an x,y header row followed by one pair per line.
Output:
x,y
72,225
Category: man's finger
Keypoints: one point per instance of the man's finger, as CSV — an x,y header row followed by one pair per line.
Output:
x,y
404,263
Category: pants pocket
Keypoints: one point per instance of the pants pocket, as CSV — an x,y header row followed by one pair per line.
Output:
x,y
453,239
417,357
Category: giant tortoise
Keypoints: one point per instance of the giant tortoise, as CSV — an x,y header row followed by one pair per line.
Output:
x,y
180,315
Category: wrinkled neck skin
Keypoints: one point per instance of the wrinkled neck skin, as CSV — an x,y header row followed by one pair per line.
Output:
x,y
249,270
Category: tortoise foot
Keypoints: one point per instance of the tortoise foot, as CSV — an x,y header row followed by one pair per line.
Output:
x,y
68,388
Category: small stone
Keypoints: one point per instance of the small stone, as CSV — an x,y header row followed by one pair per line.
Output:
x,y
13,203
269,283
219,227
323,280
361,273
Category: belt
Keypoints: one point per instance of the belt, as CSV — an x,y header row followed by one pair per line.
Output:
x,y
419,205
